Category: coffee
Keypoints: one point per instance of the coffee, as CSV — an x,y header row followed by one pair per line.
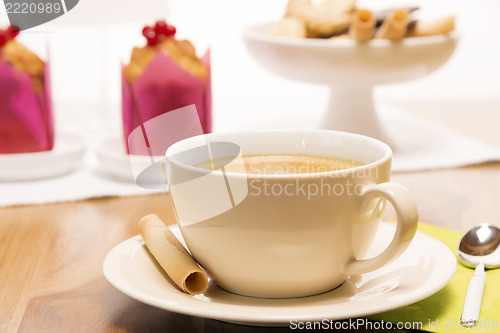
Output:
x,y
281,164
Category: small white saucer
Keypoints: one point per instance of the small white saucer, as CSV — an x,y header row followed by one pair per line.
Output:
x,y
423,269
66,156
114,161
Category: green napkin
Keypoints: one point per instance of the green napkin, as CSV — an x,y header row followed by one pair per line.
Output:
x,y
441,311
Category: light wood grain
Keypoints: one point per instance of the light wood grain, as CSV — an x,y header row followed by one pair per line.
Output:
x,y
51,255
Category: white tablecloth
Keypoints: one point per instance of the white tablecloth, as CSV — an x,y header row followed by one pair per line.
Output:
x,y
421,145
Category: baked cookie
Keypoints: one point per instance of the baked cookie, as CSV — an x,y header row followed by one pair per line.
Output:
x,y
438,26
326,19
288,27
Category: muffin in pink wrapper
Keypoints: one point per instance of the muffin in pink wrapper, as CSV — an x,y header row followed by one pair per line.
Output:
x,y
163,76
26,123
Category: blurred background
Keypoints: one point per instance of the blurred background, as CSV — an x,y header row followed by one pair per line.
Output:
x,y
87,46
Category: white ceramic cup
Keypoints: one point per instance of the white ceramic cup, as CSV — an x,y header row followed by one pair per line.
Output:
x,y
286,235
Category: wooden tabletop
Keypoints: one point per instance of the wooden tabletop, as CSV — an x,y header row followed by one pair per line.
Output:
x,y
51,255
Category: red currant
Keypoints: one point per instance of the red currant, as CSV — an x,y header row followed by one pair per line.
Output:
x,y
3,38
150,35
161,27
145,30
170,31
13,31
152,39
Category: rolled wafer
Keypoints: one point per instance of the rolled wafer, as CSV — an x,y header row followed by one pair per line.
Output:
x,y
429,28
172,256
394,26
362,26
380,15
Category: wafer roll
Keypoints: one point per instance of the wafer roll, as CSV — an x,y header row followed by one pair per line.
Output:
x,y
394,26
172,256
429,28
381,15
362,26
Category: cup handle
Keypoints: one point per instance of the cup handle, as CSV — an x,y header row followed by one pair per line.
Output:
x,y
407,221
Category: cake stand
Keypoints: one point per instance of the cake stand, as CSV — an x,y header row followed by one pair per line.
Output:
x,y
351,70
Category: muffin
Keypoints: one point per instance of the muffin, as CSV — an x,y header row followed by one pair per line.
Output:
x,y
26,123
181,51
164,75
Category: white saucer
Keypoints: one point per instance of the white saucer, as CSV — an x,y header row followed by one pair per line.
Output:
x,y
66,156
114,161
423,269
113,158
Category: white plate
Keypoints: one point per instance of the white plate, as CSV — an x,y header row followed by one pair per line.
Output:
x,y
350,70
114,161
423,269
66,156
341,62
113,158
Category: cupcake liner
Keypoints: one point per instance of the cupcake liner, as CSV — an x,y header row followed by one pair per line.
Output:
x,y
26,121
164,87
153,137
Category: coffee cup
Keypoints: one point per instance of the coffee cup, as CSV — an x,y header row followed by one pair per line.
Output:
x,y
289,234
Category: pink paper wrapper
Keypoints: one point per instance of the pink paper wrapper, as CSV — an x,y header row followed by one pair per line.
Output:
x,y
26,121
163,87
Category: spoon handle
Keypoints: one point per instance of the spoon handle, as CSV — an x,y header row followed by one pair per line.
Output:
x,y
474,297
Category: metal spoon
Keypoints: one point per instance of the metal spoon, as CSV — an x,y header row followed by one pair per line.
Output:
x,y
480,248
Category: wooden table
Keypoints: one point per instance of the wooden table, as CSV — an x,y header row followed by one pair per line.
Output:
x,y
51,255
